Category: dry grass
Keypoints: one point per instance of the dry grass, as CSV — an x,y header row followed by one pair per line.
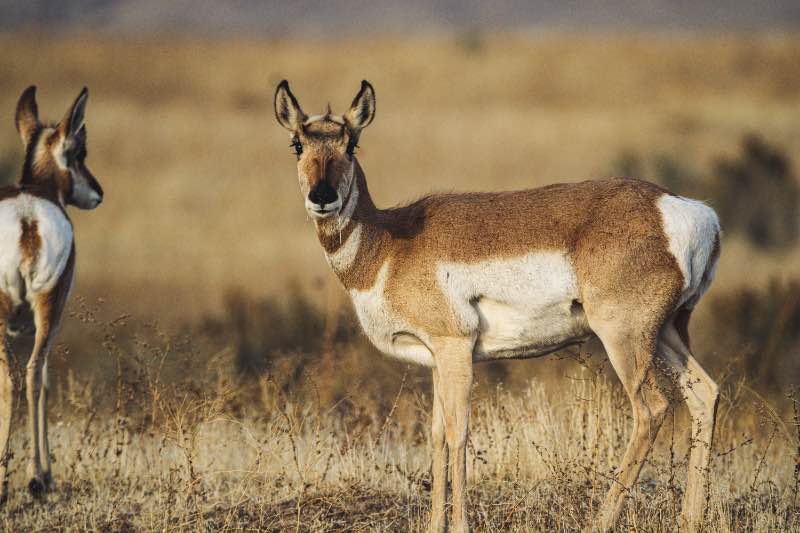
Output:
x,y
148,452
255,417
167,433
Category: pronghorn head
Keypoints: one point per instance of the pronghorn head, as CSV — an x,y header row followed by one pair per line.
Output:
x,y
55,154
325,146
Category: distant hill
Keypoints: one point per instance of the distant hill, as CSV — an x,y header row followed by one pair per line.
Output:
x,y
272,19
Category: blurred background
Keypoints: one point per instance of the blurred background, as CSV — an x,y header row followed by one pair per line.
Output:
x,y
203,234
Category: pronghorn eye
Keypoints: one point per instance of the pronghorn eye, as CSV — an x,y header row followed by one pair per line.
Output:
x,y
298,148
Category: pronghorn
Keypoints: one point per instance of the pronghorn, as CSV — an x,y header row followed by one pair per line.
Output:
x,y
454,279
37,261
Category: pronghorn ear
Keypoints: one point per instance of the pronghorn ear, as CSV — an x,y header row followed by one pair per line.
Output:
x,y
26,118
287,109
362,110
73,120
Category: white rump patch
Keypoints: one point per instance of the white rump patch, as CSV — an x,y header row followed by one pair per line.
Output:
x,y
691,228
55,233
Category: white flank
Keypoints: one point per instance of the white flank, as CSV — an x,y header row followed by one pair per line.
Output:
x,y
691,228
515,306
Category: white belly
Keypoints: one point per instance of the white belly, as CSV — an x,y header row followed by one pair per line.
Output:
x,y
19,279
519,330
512,308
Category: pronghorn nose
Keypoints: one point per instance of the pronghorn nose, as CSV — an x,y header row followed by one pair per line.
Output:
x,y
322,194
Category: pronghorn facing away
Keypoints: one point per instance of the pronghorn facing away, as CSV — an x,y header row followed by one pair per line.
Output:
x,y
453,279
37,261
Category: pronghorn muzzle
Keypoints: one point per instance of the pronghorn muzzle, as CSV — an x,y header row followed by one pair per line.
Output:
x,y
323,201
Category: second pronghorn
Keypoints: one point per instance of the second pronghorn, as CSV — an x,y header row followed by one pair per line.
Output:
x,y
453,279
37,261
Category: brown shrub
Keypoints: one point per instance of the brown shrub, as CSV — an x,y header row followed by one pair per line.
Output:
x,y
758,194
762,326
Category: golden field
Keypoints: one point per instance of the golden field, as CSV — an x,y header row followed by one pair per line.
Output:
x,y
210,375
201,186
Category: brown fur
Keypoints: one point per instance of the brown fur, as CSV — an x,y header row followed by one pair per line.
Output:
x,y
43,172
51,304
610,228
30,242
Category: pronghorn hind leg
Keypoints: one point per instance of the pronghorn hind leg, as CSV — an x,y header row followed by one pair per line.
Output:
x,y
47,310
439,463
453,357
633,360
6,398
44,443
701,395
33,383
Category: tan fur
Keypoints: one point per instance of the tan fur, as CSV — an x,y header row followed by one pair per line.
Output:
x,y
47,311
46,172
611,231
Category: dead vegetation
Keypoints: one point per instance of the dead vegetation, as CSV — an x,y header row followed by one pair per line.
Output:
x,y
264,408
225,453
180,436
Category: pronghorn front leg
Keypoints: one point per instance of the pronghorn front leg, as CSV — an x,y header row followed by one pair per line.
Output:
x,y
439,463
453,357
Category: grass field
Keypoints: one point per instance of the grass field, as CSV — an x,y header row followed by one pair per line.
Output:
x,y
190,392
141,455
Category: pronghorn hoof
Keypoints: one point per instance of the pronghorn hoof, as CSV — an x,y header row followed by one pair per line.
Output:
x,y
49,483
36,488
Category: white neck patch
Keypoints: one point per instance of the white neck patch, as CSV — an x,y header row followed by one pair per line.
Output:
x,y
343,258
